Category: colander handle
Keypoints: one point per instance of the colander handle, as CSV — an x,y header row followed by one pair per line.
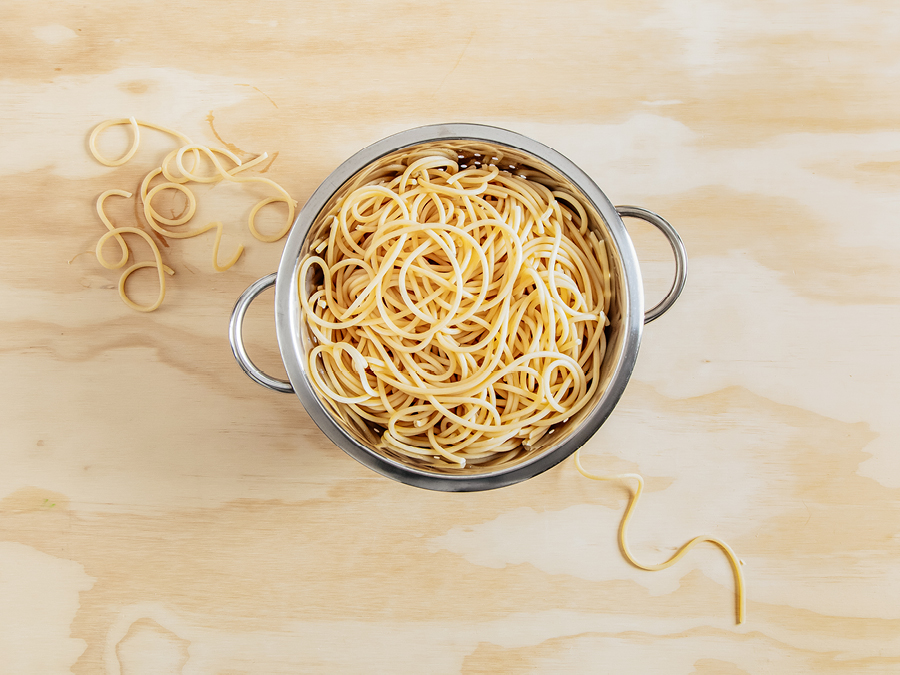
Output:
x,y
235,337
677,248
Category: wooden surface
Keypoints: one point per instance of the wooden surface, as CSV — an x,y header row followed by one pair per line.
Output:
x,y
160,513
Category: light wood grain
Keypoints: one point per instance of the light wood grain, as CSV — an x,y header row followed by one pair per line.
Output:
x,y
160,513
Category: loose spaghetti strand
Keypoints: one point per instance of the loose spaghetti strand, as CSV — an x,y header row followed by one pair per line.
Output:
x,y
681,552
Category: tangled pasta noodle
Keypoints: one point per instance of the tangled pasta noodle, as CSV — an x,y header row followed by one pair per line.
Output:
x,y
177,173
460,311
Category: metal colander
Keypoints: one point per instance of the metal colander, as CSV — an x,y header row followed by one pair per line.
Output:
x,y
471,145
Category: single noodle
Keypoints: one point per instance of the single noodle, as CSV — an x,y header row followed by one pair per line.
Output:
x,y
736,563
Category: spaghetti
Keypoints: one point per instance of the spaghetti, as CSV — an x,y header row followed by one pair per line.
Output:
x,y
681,552
176,181
117,232
459,311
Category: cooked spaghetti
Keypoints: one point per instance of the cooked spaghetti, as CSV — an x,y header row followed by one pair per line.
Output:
x,y
176,181
459,311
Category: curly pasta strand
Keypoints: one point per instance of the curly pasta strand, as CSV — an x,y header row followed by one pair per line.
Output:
x,y
681,552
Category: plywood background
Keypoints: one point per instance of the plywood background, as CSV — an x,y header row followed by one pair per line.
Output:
x,y
160,513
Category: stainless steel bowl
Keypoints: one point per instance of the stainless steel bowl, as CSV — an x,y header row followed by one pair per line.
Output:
x,y
474,144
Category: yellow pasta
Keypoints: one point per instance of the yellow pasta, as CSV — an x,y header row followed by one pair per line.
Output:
x,y
122,245
163,225
680,553
222,174
462,311
157,262
136,140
